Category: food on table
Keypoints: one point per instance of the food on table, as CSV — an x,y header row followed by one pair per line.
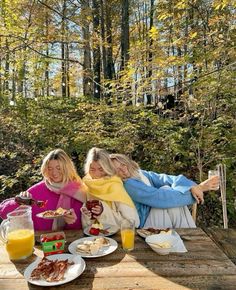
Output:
x,y
94,232
50,271
52,237
152,231
163,245
54,213
102,242
97,228
92,247
53,243
97,225
20,243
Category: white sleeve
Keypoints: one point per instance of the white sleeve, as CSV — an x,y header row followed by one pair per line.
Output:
x,y
127,212
119,211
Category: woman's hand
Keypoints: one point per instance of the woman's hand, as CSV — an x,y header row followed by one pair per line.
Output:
x,y
70,217
25,194
211,183
86,212
197,193
97,210
94,212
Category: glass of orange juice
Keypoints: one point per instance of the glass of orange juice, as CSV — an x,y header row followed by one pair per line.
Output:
x,y
18,233
127,230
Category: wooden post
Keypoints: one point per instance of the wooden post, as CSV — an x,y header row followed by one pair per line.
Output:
x,y
194,212
222,175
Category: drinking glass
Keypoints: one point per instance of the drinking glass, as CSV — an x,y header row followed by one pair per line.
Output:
x,y
90,204
127,230
212,173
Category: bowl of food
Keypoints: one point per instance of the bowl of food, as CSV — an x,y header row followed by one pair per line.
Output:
x,y
161,243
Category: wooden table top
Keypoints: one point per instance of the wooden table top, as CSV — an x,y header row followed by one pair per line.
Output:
x,y
204,266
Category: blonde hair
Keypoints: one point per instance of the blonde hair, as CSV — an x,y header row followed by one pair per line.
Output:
x,y
131,165
68,169
101,156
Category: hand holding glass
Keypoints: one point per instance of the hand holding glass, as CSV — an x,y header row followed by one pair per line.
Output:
x,y
212,173
127,230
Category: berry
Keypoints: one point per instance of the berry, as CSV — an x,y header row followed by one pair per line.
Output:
x,y
94,231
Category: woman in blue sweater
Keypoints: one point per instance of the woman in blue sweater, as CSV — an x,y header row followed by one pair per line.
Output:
x,y
161,199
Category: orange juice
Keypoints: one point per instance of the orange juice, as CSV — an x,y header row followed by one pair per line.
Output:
x,y
20,243
127,237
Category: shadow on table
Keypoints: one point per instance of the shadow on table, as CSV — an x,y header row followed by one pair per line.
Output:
x,y
204,266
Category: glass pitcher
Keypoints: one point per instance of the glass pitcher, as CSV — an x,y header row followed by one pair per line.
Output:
x,y
17,232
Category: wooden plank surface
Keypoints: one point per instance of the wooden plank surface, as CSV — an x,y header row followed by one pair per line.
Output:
x,y
204,266
226,240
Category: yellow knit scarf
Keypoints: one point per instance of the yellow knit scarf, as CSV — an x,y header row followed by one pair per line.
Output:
x,y
108,189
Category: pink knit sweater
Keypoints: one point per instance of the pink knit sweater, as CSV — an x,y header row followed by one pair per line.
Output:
x,y
39,191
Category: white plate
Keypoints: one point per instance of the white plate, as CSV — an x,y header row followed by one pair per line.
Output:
x,y
110,228
40,215
102,252
71,273
144,235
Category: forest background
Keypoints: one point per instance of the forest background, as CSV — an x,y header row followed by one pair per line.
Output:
x,y
151,79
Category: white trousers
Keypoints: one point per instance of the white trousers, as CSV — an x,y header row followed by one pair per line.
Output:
x,y
178,217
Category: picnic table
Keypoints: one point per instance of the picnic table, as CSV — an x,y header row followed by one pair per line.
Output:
x,y
205,265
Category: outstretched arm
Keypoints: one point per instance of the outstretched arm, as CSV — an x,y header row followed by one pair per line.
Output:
x,y
163,197
179,182
208,184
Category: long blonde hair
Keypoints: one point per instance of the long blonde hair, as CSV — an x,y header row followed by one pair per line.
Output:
x,y
69,172
131,165
101,156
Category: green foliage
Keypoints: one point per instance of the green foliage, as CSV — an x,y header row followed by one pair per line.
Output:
x,y
169,145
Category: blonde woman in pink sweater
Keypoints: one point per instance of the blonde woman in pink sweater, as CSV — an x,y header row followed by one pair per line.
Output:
x,y
61,187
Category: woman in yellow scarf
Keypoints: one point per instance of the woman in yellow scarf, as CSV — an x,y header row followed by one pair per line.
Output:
x,y
105,186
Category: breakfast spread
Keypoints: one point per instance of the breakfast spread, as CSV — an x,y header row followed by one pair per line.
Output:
x,y
50,271
97,228
53,243
54,213
163,245
92,247
151,231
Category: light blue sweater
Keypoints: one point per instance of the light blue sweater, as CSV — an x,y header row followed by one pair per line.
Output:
x,y
166,191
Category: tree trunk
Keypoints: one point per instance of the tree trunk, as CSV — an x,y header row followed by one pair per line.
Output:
x,y
6,71
110,63
1,80
67,71
63,54
13,93
87,72
149,95
46,60
96,51
125,34
103,36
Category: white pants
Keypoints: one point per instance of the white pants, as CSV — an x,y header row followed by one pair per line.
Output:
x,y
178,217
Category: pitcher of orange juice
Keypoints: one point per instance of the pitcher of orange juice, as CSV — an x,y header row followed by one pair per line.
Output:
x,y
17,231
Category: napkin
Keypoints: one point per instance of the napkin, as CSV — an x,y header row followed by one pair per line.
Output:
x,y
179,247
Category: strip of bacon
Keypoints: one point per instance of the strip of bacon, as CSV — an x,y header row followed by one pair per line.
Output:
x,y
51,271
